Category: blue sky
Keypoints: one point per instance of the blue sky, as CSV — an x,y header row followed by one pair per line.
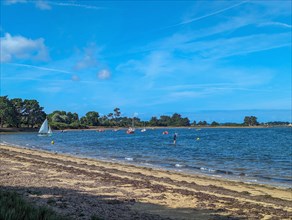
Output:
x,y
207,60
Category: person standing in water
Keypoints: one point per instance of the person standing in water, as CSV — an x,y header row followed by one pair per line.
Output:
x,y
174,138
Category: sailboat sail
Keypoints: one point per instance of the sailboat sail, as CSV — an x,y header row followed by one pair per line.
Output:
x,y
50,130
45,128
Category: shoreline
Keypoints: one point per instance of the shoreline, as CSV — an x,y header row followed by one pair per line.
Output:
x,y
79,187
201,171
20,130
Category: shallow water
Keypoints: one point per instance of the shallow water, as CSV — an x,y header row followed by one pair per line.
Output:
x,y
251,155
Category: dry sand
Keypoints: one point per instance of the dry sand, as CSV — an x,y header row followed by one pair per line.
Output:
x,y
80,188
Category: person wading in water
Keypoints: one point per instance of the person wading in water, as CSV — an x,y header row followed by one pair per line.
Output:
x,y
174,138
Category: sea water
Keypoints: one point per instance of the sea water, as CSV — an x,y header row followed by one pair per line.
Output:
x,y
257,155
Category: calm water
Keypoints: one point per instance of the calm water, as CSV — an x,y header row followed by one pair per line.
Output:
x,y
251,155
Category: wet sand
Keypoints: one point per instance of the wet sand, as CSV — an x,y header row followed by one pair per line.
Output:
x,y
80,188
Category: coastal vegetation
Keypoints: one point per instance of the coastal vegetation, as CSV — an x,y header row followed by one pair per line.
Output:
x,y
18,113
13,206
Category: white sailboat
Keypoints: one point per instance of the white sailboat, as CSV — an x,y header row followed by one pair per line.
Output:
x,y
45,129
144,129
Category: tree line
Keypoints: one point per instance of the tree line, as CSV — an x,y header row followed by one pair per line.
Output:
x,y
28,113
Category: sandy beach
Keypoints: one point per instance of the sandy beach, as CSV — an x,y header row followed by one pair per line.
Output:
x,y
80,188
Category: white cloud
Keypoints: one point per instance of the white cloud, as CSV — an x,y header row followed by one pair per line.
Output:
x,y
89,59
43,5
103,74
11,2
86,62
75,78
40,4
19,47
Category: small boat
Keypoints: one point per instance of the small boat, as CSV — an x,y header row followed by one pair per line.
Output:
x,y
45,129
130,130
144,129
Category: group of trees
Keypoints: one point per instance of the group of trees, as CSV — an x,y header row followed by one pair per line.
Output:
x,y
17,112
250,121
174,120
28,113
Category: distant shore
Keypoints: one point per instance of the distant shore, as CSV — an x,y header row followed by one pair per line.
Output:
x,y
7,130
81,187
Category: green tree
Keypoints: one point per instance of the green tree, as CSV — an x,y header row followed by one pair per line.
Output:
x,y
202,123
214,123
175,120
19,108
110,116
7,112
154,121
33,113
185,122
164,120
250,121
72,117
61,117
117,113
92,118
83,120
56,117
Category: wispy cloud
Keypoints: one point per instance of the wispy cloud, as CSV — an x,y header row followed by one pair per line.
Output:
x,y
278,24
47,5
221,48
19,47
177,67
89,57
11,2
40,68
207,15
92,62
214,86
76,5
25,79
218,48
40,4
75,78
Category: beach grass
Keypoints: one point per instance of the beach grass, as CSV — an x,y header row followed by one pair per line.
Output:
x,y
13,206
